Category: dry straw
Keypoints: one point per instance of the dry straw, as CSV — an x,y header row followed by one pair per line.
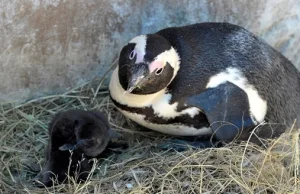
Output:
x,y
144,167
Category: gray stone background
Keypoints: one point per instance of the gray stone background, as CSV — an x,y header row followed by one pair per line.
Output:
x,y
50,46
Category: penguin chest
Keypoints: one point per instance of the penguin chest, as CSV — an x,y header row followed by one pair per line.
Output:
x,y
154,111
163,117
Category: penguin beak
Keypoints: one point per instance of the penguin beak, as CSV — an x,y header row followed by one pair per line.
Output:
x,y
137,75
81,143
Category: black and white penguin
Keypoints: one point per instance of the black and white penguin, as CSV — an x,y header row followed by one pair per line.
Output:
x,y
85,133
207,79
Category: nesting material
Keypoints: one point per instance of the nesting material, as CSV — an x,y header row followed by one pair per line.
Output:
x,y
144,167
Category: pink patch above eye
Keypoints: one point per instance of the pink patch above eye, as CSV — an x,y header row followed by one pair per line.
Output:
x,y
155,65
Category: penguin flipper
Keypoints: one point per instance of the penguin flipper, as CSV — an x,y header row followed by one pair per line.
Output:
x,y
226,108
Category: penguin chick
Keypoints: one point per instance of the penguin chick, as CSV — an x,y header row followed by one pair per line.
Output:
x,y
77,135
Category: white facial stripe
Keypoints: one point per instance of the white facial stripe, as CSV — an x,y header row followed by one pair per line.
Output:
x,y
140,47
170,129
258,106
171,56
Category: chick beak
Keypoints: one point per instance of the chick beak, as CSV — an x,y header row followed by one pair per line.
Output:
x,y
81,143
136,76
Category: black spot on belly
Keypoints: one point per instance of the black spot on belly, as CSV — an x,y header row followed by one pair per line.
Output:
x,y
198,121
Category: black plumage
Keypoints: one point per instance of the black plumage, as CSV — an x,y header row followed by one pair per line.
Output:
x,y
75,136
205,50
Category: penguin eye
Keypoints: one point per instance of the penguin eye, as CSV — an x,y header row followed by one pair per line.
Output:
x,y
159,71
132,54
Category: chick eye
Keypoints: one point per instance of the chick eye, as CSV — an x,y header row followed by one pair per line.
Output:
x,y
159,71
132,54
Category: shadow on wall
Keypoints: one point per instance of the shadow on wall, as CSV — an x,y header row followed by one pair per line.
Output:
x,y
47,47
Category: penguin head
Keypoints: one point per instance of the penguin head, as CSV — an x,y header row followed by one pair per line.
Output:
x,y
147,64
92,137
92,133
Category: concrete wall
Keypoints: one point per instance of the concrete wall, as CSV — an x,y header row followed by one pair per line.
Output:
x,y
48,46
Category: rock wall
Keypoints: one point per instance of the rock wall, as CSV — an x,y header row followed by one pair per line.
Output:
x,y
49,46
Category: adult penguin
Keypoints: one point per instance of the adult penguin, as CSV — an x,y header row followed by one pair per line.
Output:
x,y
215,79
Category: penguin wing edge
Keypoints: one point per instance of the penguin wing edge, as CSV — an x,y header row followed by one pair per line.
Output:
x,y
226,108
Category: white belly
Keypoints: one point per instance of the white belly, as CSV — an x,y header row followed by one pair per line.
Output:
x,y
171,129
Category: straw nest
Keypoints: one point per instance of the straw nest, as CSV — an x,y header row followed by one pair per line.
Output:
x,y
144,167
